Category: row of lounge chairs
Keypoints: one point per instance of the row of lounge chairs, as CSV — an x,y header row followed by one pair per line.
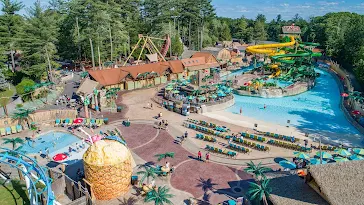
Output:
x,y
329,148
289,145
203,129
253,137
251,144
220,151
11,130
282,137
209,124
86,122
238,148
205,137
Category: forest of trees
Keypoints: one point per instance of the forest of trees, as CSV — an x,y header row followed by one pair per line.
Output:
x,y
65,30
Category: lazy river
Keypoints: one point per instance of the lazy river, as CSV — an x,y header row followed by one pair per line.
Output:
x,y
316,111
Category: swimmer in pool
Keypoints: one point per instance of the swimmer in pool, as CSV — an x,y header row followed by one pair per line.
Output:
x,y
54,144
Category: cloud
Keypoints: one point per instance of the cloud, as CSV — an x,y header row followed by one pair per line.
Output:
x,y
285,5
328,3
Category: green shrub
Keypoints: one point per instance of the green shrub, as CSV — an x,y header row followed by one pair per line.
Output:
x,y
19,105
20,88
26,82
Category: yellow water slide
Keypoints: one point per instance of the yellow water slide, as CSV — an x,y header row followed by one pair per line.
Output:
x,y
271,50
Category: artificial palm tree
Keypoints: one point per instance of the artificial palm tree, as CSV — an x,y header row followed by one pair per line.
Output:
x,y
258,170
22,114
13,142
160,196
164,156
148,172
260,192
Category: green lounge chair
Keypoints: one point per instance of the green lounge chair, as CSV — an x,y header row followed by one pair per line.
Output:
x,y
2,131
70,122
8,130
13,129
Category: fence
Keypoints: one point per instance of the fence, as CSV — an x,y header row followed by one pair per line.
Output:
x,y
74,190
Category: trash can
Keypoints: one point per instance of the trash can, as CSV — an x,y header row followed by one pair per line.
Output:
x,y
134,180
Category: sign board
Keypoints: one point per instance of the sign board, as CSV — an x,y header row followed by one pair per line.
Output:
x,y
291,29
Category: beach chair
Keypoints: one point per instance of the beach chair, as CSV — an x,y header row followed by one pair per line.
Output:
x,y
220,151
93,122
207,146
70,122
13,129
57,122
225,152
2,131
8,130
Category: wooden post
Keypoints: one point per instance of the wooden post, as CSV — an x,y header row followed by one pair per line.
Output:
x,y
79,45
92,54
49,66
189,35
110,35
98,50
170,44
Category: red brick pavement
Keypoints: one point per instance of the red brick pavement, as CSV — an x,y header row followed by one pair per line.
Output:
x,y
162,144
190,175
137,134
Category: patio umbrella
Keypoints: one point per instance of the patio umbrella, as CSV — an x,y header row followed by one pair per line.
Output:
x,y
341,159
356,157
213,96
228,90
344,94
190,97
287,164
356,112
325,155
59,157
169,88
301,155
358,151
315,161
343,152
175,91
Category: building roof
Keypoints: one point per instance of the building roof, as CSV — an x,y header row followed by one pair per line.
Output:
x,y
176,66
188,62
209,58
289,189
108,76
87,86
151,67
341,183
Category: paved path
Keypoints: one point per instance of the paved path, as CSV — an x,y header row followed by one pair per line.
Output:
x,y
209,182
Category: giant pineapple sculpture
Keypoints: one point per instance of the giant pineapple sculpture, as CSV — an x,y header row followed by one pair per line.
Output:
x,y
108,167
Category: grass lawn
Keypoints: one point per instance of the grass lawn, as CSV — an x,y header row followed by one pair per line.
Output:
x,y
13,193
7,93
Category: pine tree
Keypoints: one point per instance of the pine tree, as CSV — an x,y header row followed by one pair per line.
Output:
x,y
40,37
10,29
177,46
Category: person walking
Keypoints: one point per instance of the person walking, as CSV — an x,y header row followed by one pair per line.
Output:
x,y
151,106
207,157
199,155
241,110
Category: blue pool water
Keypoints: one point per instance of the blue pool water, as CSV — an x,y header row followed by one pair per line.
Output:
x,y
315,111
52,141
280,83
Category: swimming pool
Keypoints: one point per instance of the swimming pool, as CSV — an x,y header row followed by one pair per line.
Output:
x,y
52,141
315,111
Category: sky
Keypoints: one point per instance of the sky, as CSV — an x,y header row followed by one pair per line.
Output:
x,y
271,8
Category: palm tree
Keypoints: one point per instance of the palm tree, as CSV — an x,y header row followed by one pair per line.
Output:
x,y
148,172
159,196
128,201
13,141
258,170
260,191
164,156
22,114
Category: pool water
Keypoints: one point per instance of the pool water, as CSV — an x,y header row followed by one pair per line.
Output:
x,y
279,83
315,111
52,141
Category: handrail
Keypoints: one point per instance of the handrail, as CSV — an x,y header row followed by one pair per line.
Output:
x,y
30,165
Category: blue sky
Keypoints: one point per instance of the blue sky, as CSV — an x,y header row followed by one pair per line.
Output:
x,y
270,8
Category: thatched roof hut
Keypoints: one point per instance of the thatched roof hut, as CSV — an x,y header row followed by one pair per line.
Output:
x,y
288,189
340,183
